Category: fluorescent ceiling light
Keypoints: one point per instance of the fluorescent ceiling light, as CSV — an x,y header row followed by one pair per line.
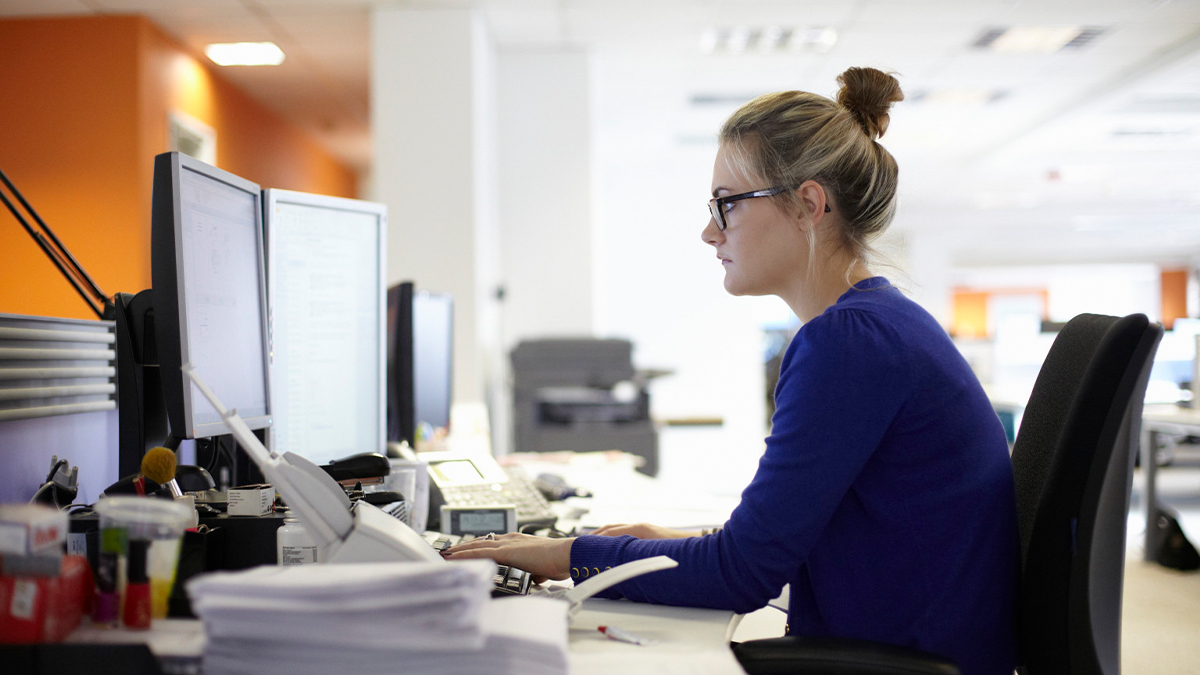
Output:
x,y
245,54
957,96
1034,39
820,40
768,40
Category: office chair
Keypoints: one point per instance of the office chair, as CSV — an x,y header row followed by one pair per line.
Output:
x,y
1073,470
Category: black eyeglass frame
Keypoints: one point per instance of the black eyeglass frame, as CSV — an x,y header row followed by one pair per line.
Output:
x,y
716,205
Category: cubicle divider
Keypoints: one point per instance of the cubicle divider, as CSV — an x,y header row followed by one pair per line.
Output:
x,y
57,398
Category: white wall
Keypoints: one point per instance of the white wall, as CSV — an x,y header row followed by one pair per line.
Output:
x,y
431,119
545,194
657,283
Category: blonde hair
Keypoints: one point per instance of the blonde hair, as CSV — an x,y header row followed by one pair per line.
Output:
x,y
789,137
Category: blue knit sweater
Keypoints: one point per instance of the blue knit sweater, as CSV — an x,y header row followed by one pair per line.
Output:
x,y
885,497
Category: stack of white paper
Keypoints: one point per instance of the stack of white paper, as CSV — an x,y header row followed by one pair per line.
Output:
x,y
375,618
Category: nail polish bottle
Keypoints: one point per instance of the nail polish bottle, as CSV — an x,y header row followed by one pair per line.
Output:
x,y
107,610
137,590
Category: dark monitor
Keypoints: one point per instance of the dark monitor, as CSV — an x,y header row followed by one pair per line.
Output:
x,y
420,362
207,268
325,284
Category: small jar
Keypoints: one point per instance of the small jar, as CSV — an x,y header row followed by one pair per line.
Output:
x,y
293,544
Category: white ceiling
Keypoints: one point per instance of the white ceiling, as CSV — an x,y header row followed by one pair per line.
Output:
x,y
1093,153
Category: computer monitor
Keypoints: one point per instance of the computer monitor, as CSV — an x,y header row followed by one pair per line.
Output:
x,y
207,269
325,289
420,361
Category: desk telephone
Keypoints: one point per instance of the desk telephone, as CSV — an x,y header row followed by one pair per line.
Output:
x,y
474,479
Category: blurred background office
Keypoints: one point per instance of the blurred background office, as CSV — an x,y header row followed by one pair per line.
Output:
x,y
546,162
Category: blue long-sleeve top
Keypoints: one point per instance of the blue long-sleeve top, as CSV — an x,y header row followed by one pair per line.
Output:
x,y
884,497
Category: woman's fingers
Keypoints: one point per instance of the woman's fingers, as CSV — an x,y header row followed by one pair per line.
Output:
x,y
540,556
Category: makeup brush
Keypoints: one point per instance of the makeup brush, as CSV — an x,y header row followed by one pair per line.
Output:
x,y
158,465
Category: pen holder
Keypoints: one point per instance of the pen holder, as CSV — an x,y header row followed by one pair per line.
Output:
x,y
160,522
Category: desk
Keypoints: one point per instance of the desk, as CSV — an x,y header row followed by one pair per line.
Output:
x,y
623,495
689,641
1158,420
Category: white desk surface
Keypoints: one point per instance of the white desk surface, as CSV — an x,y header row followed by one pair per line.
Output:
x,y
622,495
1170,414
688,641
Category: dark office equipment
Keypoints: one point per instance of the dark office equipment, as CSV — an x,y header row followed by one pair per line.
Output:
x,y
1073,465
193,478
1171,546
94,659
563,399
142,415
358,467
554,488
420,361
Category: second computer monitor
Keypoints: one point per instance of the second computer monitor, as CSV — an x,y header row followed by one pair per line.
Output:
x,y
421,361
325,284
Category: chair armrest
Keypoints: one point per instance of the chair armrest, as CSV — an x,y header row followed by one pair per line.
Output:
x,y
796,655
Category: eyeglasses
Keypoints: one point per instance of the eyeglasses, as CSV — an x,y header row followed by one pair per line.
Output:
x,y
717,206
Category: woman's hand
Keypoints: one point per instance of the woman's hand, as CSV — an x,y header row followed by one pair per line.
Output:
x,y
644,531
542,557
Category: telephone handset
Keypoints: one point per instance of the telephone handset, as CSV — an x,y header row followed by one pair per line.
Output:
x,y
362,533
472,478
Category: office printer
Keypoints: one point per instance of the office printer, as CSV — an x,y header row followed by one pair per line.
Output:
x,y
582,395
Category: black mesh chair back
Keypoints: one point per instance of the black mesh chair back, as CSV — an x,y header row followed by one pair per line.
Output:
x,y
1073,467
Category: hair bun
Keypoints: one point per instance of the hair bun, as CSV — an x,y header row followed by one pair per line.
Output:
x,y
868,94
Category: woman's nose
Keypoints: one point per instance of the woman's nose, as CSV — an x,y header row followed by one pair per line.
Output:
x,y
711,233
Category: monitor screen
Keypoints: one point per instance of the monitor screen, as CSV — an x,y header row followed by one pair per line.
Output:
x,y
420,361
207,268
325,284
433,352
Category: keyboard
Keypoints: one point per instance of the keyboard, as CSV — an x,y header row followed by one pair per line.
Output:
x,y
507,581
518,490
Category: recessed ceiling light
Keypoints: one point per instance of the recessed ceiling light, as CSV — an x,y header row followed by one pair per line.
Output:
x,y
245,54
771,39
956,96
1035,39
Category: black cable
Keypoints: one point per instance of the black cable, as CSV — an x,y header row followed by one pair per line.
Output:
x,y
34,499
54,469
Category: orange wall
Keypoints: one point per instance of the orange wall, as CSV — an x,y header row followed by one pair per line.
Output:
x,y
971,316
69,121
84,112
1174,296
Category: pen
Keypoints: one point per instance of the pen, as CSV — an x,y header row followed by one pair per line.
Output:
x,y
614,633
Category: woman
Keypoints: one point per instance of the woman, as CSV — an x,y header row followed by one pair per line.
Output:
x,y
885,495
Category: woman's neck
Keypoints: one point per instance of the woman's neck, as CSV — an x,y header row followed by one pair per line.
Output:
x,y
821,291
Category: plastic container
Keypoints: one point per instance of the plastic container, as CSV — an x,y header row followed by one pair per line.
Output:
x,y
411,478
293,545
158,521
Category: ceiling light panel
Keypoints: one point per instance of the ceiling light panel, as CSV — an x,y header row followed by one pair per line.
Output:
x,y
245,54
1035,39
770,39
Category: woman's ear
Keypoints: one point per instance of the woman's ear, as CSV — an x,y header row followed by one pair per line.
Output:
x,y
813,200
